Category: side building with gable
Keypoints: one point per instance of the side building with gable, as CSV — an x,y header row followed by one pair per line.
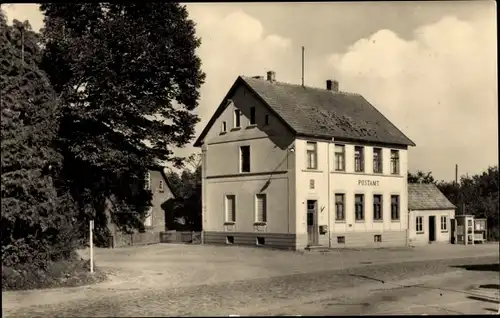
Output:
x,y
289,166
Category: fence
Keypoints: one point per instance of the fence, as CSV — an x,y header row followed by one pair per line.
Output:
x,y
191,237
135,239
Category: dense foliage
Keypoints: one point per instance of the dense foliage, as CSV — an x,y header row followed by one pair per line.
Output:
x,y
128,78
187,207
36,221
477,194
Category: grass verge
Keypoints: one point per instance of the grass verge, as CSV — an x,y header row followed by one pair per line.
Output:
x,y
72,272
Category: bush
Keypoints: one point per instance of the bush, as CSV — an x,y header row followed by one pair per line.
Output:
x,y
71,272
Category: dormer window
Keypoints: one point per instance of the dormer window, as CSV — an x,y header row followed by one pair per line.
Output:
x,y
223,127
237,118
252,116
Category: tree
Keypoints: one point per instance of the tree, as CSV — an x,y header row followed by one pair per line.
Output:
x,y
32,220
420,177
129,81
187,186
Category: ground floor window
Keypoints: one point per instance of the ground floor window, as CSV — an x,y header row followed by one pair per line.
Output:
x,y
419,224
148,220
444,223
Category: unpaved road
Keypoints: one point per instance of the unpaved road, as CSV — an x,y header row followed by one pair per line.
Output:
x,y
432,286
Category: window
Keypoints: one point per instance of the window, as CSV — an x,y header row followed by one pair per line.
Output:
x,y
148,220
266,120
394,162
419,224
147,181
359,164
394,207
245,159
444,223
339,206
377,238
359,207
377,207
340,239
377,160
252,115
261,241
312,156
311,184
229,239
339,158
261,208
237,118
230,208
223,128
160,186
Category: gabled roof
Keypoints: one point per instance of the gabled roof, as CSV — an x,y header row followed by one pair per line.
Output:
x,y
315,112
168,183
427,196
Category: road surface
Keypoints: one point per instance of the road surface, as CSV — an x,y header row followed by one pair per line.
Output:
x,y
450,286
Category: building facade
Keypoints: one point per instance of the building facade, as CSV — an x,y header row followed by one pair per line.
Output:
x,y
431,215
288,166
154,221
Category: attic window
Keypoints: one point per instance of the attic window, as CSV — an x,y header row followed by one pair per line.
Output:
x,y
223,128
237,118
252,115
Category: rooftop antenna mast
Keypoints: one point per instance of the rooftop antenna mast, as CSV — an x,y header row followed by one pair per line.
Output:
x,y
302,66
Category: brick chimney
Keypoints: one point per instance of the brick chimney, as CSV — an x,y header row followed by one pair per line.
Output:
x,y
258,77
271,76
332,85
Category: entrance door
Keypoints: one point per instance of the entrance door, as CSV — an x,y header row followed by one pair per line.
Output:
x,y
312,222
432,228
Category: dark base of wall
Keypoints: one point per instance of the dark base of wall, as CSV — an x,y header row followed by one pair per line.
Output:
x,y
299,241
270,240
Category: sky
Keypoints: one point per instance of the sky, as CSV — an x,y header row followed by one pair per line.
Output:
x,y
430,67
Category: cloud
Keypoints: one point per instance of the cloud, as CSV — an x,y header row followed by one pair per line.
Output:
x,y
440,88
233,44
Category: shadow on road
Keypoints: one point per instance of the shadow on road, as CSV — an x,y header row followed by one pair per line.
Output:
x,y
490,286
480,267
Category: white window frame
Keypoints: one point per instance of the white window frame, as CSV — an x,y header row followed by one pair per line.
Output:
x,y
148,219
237,118
395,162
444,225
249,159
337,155
381,203
342,203
398,206
380,160
227,219
363,205
261,196
419,224
361,159
312,155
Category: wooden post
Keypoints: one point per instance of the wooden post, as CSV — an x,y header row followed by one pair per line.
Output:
x,y
91,243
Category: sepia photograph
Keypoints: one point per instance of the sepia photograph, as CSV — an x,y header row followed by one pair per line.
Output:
x,y
178,159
